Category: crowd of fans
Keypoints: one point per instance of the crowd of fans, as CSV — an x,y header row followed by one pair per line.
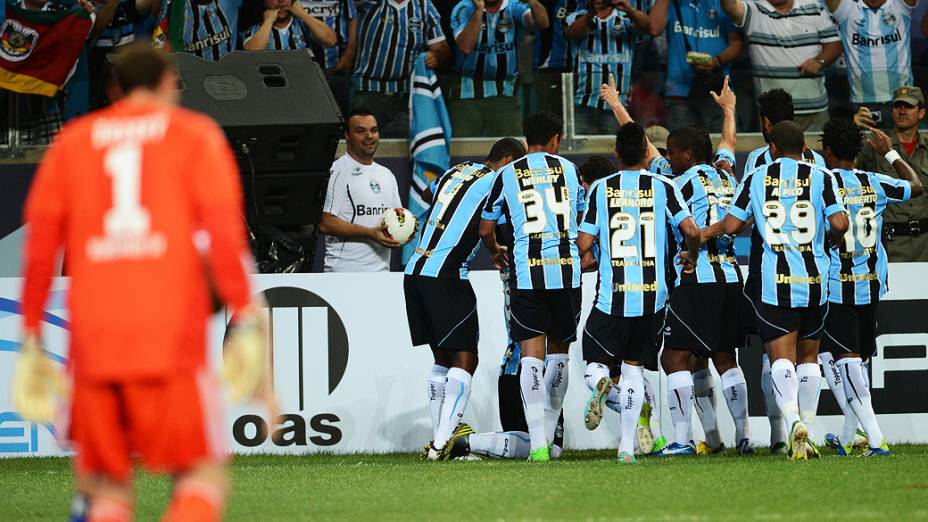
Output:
x,y
500,59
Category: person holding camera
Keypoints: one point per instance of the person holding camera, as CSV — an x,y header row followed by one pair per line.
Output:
x,y
702,42
905,226
603,38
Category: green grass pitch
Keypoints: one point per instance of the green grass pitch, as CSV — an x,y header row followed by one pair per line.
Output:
x,y
586,485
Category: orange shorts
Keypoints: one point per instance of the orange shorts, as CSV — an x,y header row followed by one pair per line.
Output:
x,y
170,424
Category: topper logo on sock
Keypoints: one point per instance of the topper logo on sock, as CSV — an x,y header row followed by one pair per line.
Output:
x,y
536,382
558,375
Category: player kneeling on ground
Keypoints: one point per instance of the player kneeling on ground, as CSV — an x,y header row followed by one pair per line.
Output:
x,y
627,217
858,275
126,189
440,304
790,201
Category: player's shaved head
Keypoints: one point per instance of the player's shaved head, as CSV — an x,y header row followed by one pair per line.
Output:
x,y
139,66
506,148
788,138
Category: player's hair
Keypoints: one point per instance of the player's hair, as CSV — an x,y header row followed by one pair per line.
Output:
x,y
506,147
541,126
776,105
691,139
139,66
630,144
596,167
843,137
788,137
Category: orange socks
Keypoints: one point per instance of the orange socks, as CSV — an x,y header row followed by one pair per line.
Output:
x,y
195,501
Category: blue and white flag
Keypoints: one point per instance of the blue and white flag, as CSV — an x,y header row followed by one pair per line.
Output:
x,y
429,139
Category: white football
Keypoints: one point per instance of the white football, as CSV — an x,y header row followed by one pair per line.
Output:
x,y
399,223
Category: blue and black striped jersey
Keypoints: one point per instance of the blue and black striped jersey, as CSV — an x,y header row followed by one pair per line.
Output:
x,y
707,193
491,68
660,165
541,196
450,235
390,36
859,270
550,51
337,14
294,37
608,48
790,202
761,156
627,214
211,29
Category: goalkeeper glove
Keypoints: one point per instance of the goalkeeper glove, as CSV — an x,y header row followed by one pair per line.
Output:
x,y
38,385
245,358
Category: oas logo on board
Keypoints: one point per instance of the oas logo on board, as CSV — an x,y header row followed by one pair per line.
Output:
x,y
17,41
288,309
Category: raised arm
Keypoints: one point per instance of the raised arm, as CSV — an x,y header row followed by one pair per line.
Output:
x,y
539,20
736,10
321,32
258,41
580,27
726,100
640,20
882,145
658,16
611,96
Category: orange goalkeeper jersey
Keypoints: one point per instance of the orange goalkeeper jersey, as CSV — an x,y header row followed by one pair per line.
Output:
x,y
124,191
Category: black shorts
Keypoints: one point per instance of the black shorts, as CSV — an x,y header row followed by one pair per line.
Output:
x,y
620,338
708,318
776,321
850,329
442,313
544,312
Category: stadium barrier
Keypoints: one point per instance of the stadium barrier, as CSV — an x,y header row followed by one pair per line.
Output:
x,y
349,381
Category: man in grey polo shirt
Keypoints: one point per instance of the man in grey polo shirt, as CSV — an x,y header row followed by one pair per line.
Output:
x,y
790,43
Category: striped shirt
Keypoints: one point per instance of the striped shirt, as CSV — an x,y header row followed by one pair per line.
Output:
x,y
761,156
291,38
450,235
541,196
491,68
210,30
121,29
608,48
780,43
660,165
859,273
790,202
707,193
337,14
550,50
390,36
626,214
877,47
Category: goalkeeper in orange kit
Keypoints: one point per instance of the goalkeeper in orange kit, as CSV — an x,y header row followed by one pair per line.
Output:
x,y
123,191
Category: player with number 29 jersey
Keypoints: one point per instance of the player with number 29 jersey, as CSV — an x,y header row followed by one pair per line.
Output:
x,y
790,202
541,196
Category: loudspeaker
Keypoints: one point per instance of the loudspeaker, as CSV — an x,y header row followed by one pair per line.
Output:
x,y
275,106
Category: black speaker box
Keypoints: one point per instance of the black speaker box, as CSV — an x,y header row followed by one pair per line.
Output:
x,y
274,106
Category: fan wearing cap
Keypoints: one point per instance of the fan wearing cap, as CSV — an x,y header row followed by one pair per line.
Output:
x,y
905,229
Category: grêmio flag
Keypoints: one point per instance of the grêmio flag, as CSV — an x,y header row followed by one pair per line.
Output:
x,y
38,49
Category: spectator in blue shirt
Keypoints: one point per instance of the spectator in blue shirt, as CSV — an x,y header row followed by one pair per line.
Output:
x,y
697,26
337,62
551,56
488,35
287,26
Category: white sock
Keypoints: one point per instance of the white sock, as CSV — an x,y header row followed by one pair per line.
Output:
x,y
556,373
865,368
836,385
651,397
593,373
532,383
735,390
631,397
786,389
680,400
457,392
704,387
858,395
810,387
501,445
777,426
436,394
